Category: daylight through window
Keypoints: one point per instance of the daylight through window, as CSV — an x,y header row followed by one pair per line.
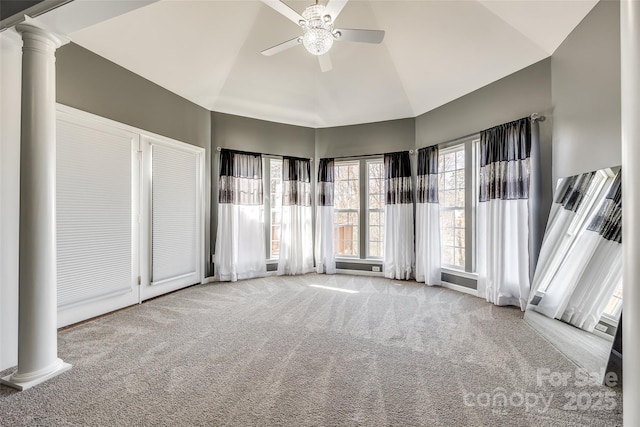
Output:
x,y
347,208
275,199
375,208
452,197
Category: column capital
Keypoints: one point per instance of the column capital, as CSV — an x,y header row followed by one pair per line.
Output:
x,y
31,28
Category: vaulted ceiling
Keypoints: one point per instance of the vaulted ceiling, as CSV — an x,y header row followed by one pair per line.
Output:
x,y
208,52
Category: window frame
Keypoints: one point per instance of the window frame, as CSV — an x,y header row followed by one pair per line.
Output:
x,y
347,162
453,150
363,210
472,169
266,206
615,317
368,209
569,239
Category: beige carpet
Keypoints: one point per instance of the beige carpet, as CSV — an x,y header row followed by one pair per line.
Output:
x,y
280,352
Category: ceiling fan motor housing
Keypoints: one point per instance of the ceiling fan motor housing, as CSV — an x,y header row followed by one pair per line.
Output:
x,y
314,17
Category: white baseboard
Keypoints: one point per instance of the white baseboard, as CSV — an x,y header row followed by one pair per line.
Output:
x,y
459,288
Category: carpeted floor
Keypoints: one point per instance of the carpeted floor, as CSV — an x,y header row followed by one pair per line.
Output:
x,y
277,351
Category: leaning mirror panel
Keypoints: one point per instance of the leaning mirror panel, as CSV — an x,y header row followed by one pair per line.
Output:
x,y
576,297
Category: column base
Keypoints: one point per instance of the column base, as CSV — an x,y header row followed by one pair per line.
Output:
x,y
28,381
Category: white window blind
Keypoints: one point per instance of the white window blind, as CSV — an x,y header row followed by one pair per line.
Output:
x,y
174,207
94,212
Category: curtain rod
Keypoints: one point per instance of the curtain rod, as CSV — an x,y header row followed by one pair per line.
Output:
x,y
366,155
266,154
535,117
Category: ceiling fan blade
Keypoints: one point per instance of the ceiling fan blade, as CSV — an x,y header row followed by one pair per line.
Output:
x,y
334,7
325,62
362,36
284,10
281,47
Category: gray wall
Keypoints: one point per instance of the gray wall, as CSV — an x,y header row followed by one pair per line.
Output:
x,y
253,135
518,95
91,83
577,90
247,134
368,138
586,94
515,96
12,7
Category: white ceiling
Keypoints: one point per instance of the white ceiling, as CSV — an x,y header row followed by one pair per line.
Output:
x,y
208,51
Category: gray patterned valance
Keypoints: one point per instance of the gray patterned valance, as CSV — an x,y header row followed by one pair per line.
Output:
x,y
573,190
296,181
397,183
240,178
608,220
427,180
505,152
325,182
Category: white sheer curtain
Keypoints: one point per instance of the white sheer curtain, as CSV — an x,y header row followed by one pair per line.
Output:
x,y
398,216
503,214
324,250
596,287
592,269
428,267
572,195
240,251
296,235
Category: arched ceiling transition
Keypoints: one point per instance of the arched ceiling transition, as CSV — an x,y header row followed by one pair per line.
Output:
x,y
208,52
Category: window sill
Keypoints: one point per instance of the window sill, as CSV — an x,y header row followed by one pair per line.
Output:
x,y
609,320
455,272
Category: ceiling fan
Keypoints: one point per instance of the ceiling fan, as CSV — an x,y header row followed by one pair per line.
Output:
x,y
317,23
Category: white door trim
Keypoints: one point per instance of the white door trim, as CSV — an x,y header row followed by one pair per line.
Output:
x,y
141,206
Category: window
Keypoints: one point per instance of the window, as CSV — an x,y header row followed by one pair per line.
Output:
x,y
275,207
352,193
375,208
458,169
614,306
593,196
452,197
347,208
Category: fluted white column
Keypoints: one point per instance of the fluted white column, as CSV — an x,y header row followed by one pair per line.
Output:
x,y
37,311
630,79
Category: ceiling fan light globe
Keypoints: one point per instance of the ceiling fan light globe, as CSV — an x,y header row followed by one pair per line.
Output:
x,y
317,41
